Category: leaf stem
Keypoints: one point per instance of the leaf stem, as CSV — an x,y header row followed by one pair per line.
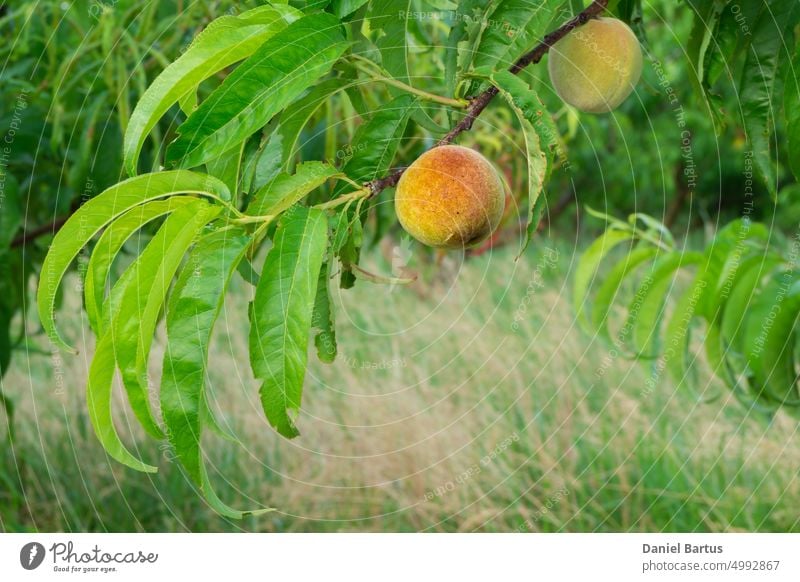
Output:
x,y
377,74
245,219
362,193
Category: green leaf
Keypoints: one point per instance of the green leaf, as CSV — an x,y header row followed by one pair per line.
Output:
x,y
282,312
701,47
109,245
343,8
248,272
741,292
791,110
98,396
677,334
323,320
375,145
6,314
758,84
588,266
464,15
296,116
286,189
771,338
275,75
390,17
540,134
143,298
193,309
604,299
224,41
227,168
265,163
724,257
513,28
347,241
102,210
647,307
376,141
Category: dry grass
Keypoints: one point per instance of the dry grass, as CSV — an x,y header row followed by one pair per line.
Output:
x,y
438,415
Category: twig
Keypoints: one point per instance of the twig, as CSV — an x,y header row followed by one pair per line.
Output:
x,y
51,228
479,103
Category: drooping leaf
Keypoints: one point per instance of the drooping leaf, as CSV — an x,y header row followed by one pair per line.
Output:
x,y
702,46
286,189
99,212
678,332
275,75
193,309
98,397
224,41
724,257
740,294
540,134
771,336
758,84
282,312
604,299
143,298
588,266
108,246
323,318
347,241
647,308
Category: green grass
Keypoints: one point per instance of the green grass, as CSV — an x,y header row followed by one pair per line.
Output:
x,y
438,415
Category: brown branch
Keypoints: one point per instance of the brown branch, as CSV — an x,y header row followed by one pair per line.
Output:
x,y
30,235
479,103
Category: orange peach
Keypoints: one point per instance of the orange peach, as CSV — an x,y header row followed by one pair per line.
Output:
x,y
451,197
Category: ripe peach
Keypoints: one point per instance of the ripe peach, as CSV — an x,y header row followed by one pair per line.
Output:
x,y
451,197
596,66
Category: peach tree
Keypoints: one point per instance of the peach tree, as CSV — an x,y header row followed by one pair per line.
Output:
x,y
235,179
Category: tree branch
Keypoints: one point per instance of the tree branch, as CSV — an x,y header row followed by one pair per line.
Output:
x,y
475,108
479,103
51,228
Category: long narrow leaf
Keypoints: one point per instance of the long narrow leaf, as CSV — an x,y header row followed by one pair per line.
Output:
x,y
108,246
275,75
96,214
143,298
193,309
282,312
225,41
